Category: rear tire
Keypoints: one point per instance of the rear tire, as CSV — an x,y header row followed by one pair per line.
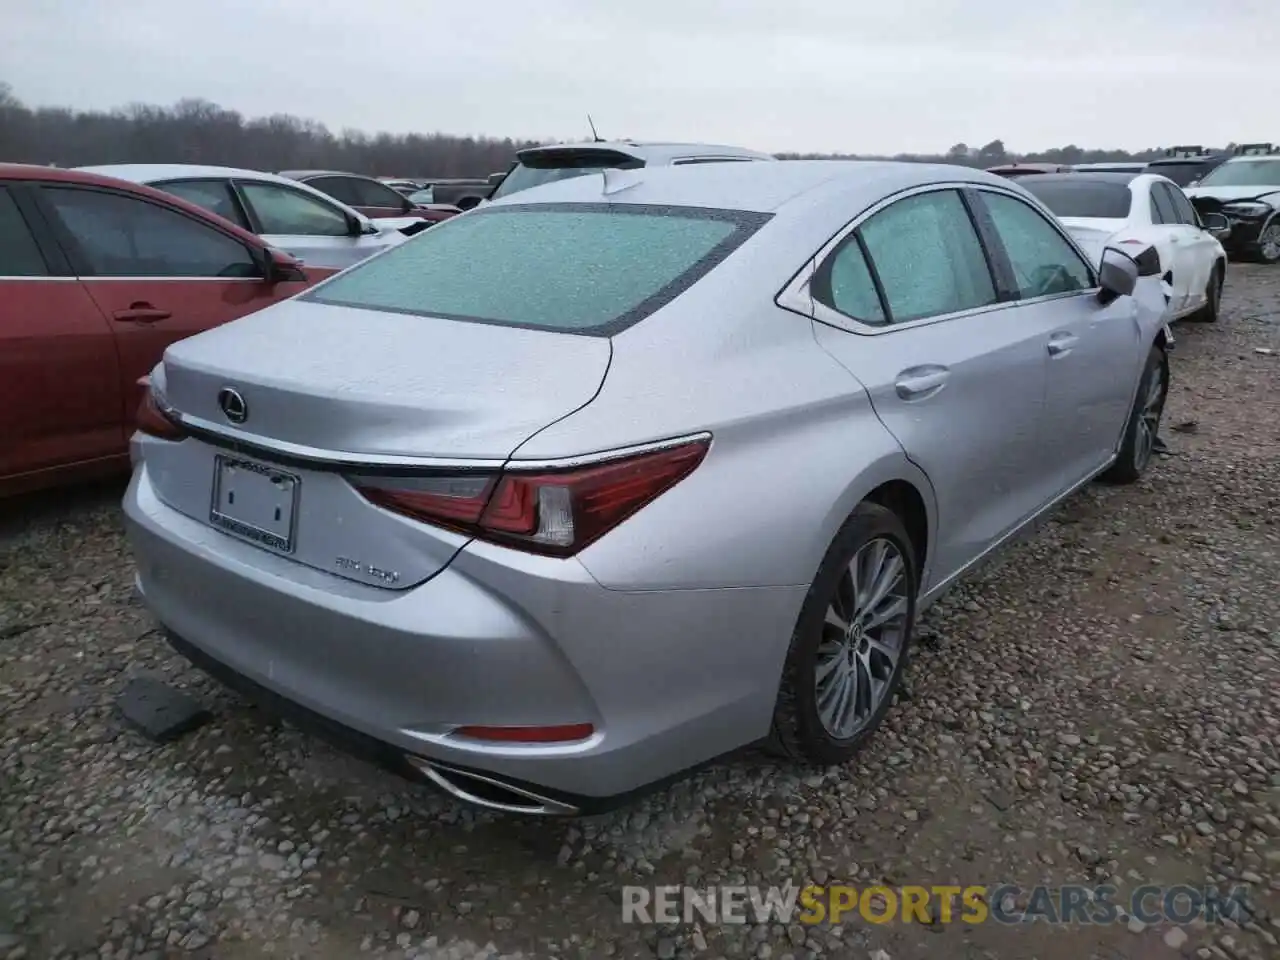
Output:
x,y
1143,427
851,641
1213,297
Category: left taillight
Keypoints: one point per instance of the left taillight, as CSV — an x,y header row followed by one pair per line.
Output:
x,y
553,512
153,416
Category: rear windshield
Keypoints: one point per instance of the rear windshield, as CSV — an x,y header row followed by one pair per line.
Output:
x,y
548,166
1082,198
1180,172
573,268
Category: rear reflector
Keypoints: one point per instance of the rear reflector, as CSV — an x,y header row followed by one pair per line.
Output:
x,y
555,512
152,419
558,734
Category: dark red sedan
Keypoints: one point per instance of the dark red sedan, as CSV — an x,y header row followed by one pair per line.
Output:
x,y
371,197
97,277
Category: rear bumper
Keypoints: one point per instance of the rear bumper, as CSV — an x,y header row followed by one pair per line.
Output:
x,y
669,679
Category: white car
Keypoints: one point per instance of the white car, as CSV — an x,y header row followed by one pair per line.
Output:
x,y
298,219
1245,190
1149,217
535,166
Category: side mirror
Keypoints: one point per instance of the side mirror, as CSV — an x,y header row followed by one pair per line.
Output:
x,y
1216,224
278,266
355,226
1117,275
468,202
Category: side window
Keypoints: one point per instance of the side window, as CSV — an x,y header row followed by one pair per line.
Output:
x,y
340,188
928,257
213,195
121,236
844,283
286,212
374,194
1156,215
1186,212
1164,204
1044,263
19,255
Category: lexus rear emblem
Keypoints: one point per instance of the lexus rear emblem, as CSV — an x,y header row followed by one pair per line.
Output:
x,y
232,405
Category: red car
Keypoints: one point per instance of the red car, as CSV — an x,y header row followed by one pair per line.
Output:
x,y
371,197
97,277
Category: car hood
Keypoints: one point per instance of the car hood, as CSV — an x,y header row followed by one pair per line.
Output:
x,y
1270,194
390,224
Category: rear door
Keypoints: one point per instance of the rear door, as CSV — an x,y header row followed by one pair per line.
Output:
x,y
157,273
316,232
1093,351
59,375
908,303
1196,244
1180,268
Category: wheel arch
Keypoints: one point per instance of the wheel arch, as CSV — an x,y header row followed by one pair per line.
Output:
x,y
896,483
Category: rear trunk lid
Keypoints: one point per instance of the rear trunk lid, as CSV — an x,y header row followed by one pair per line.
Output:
x,y
329,390
374,384
1092,233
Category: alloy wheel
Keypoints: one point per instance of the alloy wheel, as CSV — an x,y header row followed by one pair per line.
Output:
x,y
862,639
1269,243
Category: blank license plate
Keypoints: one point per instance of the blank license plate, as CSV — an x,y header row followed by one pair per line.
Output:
x,y
254,501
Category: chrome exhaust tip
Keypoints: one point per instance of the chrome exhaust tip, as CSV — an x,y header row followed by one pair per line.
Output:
x,y
490,792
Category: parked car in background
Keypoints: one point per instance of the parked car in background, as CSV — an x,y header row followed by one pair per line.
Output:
x,y
1120,166
402,187
931,365
1246,190
1150,218
289,215
563,161
97,278
1186,164
462,192
1014,170
370,197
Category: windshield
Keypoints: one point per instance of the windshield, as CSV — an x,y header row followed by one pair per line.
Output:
x,y
548,166
1245,173
1082,198
573,268
426,195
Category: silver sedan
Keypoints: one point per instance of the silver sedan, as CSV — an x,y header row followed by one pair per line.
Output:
x,y
589,486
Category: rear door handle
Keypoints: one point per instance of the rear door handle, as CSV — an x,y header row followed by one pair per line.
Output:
x,y
918,383
1061,344
142,312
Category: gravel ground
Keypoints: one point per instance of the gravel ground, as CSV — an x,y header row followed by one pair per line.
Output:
x,y
1099,705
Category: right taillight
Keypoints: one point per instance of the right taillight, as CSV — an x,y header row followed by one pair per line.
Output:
x,y
152,419
555,512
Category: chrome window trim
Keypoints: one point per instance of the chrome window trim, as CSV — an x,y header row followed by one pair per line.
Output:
x,y
797,297
43,278
222,435
94,278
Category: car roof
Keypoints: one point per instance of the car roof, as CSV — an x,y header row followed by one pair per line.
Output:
x,y
754,187
1120,177
652,152
1194,158
93,176
307,174
1253,158
157,172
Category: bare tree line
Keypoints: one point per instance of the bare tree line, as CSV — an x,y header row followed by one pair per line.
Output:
x,y
197,131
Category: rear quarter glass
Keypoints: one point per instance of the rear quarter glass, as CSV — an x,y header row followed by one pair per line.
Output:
x,y
572,268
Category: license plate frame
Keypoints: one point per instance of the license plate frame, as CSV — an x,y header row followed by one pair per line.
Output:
x,y
277,532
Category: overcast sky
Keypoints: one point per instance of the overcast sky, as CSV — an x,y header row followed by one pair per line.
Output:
x,y
868,76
